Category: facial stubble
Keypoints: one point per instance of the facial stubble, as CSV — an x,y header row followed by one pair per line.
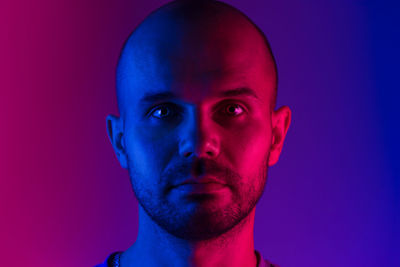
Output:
x,y
192,221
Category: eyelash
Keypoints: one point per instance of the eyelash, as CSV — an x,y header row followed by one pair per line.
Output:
x,y
170,106
225,108
176,110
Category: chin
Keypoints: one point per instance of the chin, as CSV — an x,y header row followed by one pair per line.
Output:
x,y
204,223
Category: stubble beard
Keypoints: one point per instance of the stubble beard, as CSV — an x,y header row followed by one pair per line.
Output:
x,y
196,223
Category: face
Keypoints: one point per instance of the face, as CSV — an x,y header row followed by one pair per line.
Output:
x,y
196,129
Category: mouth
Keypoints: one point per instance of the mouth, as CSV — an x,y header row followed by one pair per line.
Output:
x,y
205,185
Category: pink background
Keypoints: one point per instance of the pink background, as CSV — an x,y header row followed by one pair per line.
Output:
x,y
332,200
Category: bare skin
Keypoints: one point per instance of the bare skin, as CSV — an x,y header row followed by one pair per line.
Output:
x,y
155,247
203,117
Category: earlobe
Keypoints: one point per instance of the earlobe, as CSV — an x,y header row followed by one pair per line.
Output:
x,y
115,135
281,119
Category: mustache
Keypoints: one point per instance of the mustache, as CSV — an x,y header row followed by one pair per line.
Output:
x,y
197,168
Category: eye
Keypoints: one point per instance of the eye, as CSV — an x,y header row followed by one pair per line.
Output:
x,y
164,111
161,112
233,110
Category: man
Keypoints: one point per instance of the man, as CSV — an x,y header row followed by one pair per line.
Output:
x,y
198,129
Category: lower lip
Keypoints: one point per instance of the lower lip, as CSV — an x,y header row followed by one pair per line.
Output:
x,y
201,188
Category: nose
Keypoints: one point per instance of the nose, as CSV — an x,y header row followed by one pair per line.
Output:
x,y
199,136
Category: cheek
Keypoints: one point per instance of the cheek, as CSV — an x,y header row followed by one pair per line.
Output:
x,y
148,154
247,147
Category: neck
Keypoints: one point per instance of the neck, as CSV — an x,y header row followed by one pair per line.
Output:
x,y
156,247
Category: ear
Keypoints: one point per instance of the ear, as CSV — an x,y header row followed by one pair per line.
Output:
x,y
280,124
116,134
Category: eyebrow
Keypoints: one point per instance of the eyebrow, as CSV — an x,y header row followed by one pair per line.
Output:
x,y
242,91
150,98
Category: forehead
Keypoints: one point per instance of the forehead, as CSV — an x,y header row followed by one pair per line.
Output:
x,y
195,62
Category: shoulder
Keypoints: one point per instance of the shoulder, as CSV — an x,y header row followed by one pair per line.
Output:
x,y
263,262
111,260
269,264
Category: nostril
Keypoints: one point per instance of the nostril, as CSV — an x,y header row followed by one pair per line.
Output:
x,y
187,154
210,153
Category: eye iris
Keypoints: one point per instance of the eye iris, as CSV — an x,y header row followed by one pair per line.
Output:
x,y
233,109
162,112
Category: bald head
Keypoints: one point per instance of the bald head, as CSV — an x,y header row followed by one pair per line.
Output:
x,y
196,85
187,40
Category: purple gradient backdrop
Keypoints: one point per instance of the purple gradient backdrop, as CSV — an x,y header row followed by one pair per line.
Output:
x,y
332,200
